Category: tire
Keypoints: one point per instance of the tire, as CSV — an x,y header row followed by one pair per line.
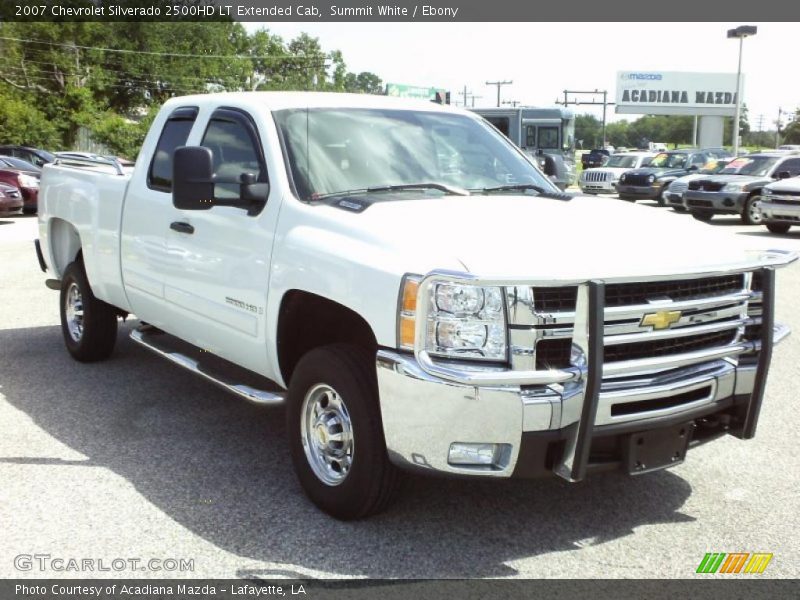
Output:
x,y
339,382
705,217
751,213
778,227
89,325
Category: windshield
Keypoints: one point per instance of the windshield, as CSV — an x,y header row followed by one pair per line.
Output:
x,y
622,161
18,163
334,150
755,167
712,167
669,161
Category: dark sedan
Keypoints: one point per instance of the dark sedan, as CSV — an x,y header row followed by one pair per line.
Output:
x,y
27,180
651,182
35,156
10,200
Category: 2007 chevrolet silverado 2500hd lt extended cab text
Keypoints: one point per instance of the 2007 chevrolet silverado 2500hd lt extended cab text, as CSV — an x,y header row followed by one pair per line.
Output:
x,y
427,298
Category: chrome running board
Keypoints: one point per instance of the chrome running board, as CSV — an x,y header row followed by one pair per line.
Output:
x,y
178,352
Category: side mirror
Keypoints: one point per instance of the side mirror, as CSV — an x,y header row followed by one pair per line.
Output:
x,y
193,178
784,175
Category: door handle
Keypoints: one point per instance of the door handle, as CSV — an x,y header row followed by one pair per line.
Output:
x,y
181,227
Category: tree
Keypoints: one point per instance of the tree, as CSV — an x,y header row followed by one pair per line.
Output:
x,y
589,129
791,133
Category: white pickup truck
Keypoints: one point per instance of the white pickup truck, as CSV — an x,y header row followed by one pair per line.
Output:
x,y
416,290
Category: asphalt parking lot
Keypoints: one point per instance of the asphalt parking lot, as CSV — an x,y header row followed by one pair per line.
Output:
x,y
135,458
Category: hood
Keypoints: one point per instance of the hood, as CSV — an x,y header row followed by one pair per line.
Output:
x,y
790,185
529,236
745,179
657,171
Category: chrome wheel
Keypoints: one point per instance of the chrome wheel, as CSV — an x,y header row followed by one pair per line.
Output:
x,y
327,434
73,309
754,210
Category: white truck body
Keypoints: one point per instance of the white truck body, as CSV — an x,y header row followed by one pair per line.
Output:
x,y
227,286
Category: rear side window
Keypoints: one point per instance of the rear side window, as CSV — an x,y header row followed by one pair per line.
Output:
x,y
175,133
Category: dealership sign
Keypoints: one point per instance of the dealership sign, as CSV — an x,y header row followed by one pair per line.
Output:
x,y
669,93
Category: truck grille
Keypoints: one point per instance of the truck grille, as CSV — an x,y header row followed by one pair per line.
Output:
x,y
556,353
561,299
706,185
678,187
713,313
636,179
596,176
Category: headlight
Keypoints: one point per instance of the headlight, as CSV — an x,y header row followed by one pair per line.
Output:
x,y
651,178
28,181
733,187
622,178
766,193
462,321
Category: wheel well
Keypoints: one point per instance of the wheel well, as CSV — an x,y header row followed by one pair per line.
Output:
x,y
65,244
308,321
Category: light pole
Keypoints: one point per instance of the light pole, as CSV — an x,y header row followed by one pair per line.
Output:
x,y
740,32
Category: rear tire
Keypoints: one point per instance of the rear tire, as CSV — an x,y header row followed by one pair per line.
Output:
x,y
751,214
89,325
778,227
333,422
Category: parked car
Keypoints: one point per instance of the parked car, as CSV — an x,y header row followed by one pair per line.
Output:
x,y
17,163
10,200
35,156
740,194
790,147
26,180
675,190
780,204
459,319
603,180
595,158
651,182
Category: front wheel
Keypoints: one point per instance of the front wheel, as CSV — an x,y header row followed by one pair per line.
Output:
x,y
751,215
336,435
778,227
89,325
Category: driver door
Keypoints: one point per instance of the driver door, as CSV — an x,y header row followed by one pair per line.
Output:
x,y
220,258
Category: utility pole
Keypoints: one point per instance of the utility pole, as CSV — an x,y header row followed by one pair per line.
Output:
x,y
472,97
499,84
778,128
605,103
465,93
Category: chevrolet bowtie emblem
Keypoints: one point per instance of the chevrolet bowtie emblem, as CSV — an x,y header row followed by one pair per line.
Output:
x,y
661,319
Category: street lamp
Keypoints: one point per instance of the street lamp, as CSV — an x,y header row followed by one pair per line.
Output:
x,y
740,32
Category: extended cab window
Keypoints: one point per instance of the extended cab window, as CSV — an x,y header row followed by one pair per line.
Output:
x,y
175,133
231,136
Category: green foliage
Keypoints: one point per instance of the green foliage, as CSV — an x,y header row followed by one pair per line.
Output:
x,y
589,130
23,123
791,134
104,76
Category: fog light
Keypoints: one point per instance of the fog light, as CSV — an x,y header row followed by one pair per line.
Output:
x,y
479,455
728,202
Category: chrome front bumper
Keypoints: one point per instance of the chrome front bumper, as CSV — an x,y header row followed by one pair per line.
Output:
x,y
781,212
426,406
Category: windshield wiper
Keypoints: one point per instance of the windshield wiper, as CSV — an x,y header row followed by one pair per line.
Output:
x,y
443,187
512,187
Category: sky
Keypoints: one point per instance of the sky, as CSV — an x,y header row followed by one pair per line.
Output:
x,y
543,59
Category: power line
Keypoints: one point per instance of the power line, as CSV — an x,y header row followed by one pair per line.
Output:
x,y
169,54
